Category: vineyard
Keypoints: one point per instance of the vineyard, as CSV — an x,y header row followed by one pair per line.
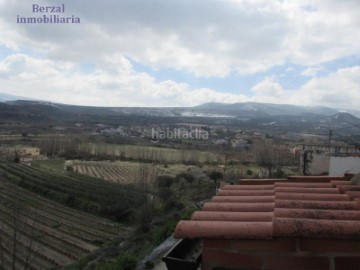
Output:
x,y
82,192
148,153
51,217
118,172
37,233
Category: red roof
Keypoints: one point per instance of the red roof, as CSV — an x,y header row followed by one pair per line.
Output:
x,y
315,207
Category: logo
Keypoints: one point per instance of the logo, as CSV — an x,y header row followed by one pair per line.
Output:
x,y
176,133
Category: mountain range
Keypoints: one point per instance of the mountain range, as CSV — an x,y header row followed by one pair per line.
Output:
x,y
252,114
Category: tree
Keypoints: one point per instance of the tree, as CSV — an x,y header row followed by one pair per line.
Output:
x,y
16,155
164,181
267,154
215,175
187,176
149,186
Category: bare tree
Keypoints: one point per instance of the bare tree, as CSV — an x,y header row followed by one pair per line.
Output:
x,y
147,184
267,154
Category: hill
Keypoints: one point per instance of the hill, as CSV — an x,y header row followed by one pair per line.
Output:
x,y
264,116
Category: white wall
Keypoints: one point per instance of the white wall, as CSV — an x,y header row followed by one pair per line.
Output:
x,y
319,165
341,165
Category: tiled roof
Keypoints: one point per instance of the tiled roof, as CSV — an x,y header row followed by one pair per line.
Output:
x,y
315,207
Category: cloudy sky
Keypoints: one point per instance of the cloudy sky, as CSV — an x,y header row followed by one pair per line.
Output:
x,y
184,52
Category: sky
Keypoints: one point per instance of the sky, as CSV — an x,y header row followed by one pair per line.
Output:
x,y
184,52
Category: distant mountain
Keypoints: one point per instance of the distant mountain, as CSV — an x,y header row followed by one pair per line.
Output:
x,y
211,109
7,97
260,116
264,109
246,110
353,112
344,118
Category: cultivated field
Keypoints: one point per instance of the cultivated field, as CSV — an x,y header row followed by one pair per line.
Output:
x,y
36,233
149,153
128,172
85,193
118,172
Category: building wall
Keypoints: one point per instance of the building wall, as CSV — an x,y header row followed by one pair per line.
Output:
x,y
315,160
281,253
341,165
314,164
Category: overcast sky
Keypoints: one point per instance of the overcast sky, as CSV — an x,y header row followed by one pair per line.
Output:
x,y
185,52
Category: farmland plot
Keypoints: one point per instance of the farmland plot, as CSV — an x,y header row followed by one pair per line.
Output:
x,y
119,172
82,192
152,154
36,233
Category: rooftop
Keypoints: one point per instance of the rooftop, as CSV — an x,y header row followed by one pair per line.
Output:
x,y
312,207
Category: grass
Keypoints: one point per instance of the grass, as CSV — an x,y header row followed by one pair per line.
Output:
x,y
53,165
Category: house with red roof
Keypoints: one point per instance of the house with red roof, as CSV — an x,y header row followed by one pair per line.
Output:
x,y
297,223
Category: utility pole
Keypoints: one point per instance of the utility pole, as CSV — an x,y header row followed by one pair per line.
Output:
x,y
330,134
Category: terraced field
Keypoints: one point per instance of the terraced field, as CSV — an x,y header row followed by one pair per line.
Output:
x,y
43,234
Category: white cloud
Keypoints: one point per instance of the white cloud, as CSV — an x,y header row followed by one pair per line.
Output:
x,y
269,91
340,89
311,71
205,38
113,83
324,32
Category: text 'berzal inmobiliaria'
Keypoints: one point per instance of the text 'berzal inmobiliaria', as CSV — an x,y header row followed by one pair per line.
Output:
x,y
42,14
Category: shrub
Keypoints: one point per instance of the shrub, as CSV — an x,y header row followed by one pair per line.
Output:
x,y
187,176
188,214
145,217
214,175
165,181
165,194
164,232
127,261
279,173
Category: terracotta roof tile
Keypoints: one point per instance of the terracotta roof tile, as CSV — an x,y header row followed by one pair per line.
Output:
x,y
347,205
248,187
317,214
243,199
319,207
233,216
344,188
223,229
239,207
353,194
314,178
304,185
340,183
311,197
306,190
319,228
255,192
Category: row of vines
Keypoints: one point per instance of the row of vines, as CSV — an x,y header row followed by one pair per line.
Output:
x,y
37,233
